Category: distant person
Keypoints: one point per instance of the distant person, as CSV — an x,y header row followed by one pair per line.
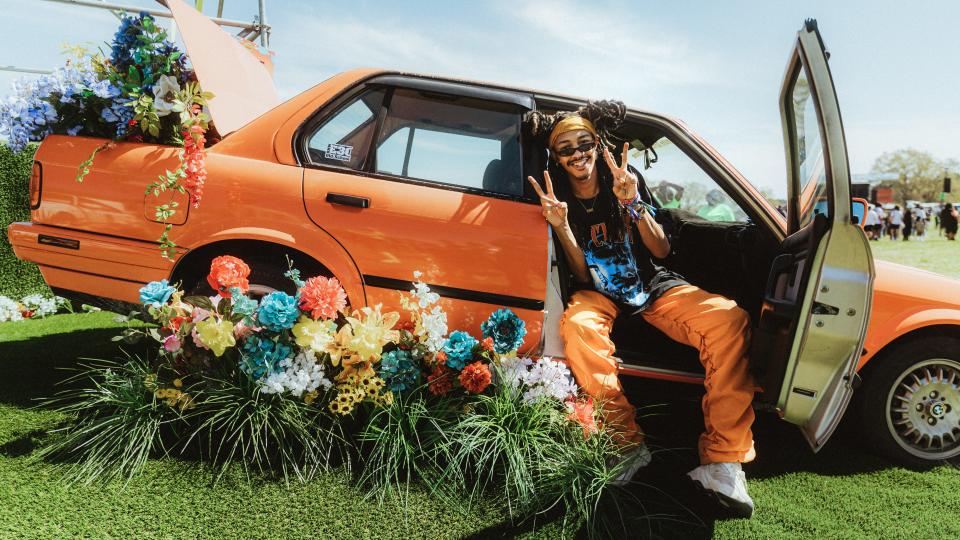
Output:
x,y
716,209
907,223
920,223
669,194
871,223
896,221
948,221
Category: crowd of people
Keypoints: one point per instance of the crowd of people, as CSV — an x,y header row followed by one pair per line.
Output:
x,y
914,221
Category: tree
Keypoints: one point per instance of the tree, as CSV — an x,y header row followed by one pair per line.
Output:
x,y
920,175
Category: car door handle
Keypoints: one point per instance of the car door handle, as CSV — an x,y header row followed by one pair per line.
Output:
x,y
348,200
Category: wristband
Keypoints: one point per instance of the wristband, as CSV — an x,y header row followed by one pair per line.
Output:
x,y
634,207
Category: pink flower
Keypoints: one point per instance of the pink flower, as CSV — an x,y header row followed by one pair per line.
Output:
x,y
200,314
241,330
196,338
171,343
322,297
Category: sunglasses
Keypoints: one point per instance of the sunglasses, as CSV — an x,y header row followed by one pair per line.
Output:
x,y
571,150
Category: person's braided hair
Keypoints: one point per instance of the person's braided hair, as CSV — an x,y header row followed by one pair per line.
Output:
x,y
606,116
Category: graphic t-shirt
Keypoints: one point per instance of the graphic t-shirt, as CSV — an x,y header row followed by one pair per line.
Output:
x,y
618,263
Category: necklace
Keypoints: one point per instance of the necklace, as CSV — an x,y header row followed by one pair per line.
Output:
x,y
593,203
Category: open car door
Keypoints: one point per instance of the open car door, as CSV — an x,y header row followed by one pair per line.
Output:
x,y
820,285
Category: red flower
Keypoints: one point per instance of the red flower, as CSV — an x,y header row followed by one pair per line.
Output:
x,y
406,325
581,411
475,378
194,162
26,314
487,344
175,322
227,271
440,381
322,297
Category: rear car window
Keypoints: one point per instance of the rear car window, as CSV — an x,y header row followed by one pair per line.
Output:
x,y
343,139
452,140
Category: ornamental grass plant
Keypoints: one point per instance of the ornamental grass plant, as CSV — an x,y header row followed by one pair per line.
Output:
x,y
116,421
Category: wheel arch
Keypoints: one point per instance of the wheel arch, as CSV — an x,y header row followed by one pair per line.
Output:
x,y
321,258
914,334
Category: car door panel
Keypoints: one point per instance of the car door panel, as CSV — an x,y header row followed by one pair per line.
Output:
x,y
480,248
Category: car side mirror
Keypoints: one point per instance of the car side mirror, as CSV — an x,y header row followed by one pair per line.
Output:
x,y
858,209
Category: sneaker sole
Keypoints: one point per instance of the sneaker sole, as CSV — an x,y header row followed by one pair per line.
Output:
x,y
737,508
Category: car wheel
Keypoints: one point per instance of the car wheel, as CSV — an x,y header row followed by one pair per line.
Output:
x,y
910,402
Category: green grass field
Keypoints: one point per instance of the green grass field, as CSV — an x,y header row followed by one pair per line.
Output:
x,y
842,492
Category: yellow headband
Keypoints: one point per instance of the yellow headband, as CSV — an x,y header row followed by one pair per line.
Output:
x,y
571,123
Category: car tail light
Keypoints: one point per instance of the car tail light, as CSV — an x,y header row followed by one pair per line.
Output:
x,y
36,185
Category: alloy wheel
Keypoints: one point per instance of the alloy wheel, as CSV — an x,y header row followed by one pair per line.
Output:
x,y
923,409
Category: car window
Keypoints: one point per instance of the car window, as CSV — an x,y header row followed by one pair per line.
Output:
x,y
451,140
809,153
343,138
678,182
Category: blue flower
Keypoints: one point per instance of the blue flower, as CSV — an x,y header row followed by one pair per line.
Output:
x,y
104,89
506,329
156,293
459,349
278,311
261,356
398,370
242,304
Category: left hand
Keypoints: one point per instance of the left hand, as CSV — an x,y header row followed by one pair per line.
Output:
x,y
624,181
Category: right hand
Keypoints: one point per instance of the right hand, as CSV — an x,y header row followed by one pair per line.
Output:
x,y
553,209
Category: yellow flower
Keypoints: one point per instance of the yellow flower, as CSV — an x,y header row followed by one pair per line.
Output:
x,y
310,397
368,330
318,336
386,399
178,383
218,335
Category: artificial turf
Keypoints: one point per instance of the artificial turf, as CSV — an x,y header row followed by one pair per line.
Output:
x,y
842,492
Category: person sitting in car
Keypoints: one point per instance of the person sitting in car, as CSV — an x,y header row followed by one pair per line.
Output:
x,y
601,213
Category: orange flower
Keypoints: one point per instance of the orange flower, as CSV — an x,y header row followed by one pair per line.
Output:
x,y
440,381
322,297
226,272
581,411
487,344
475,378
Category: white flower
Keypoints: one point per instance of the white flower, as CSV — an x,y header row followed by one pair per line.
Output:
x,y
164,94
9,309
424,297
301,374
549,378
432,328
513,371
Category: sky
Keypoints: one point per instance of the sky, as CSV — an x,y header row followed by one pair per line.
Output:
x,y
717,65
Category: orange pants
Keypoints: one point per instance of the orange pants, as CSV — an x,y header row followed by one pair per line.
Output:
x,y
715,325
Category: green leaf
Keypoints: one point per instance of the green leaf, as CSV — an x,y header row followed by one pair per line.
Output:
x,y
199,301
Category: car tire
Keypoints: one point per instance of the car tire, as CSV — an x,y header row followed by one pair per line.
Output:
x,y
909,405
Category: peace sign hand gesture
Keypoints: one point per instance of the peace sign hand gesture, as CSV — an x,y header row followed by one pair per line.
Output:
x,y
624,181
553,209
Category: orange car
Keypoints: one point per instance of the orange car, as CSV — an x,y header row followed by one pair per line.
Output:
x,y
372,175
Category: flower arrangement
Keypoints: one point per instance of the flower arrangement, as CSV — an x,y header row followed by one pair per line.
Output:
x,y
145,91
32,306
279,382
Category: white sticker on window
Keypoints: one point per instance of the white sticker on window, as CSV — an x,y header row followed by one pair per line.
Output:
x,y
339,152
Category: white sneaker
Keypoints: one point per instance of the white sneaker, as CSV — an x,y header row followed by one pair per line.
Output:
x,y
727,483
630,463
